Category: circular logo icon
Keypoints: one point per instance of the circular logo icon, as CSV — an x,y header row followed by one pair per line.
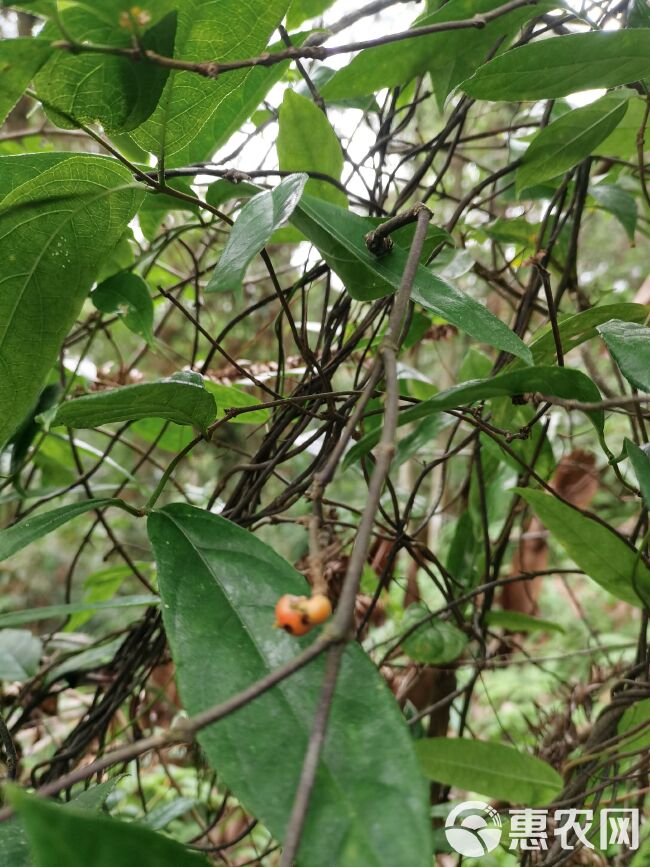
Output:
x,y
475,834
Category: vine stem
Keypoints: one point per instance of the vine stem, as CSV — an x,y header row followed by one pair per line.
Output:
x,y
344,617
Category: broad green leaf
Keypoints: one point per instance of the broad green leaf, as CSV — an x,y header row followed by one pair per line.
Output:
x,y
20,60
557,67
301,10
231,397
60,835
25,532
166,435
491,769
127,295
619,203
20,653
580,327
224,30
257,221
14,849
629,344
640,460
552,381
515,621
306,142
436,642
34,615
182,398
219,585
450,57
60,216
568,140
593,547
339,236
115,91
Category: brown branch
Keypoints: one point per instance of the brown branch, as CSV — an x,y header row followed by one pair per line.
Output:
x,y
213,68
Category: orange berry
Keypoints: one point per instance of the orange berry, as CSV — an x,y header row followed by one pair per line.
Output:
x,y
318,608
290,614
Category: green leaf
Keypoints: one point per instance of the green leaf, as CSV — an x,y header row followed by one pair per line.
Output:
x,y
593,547
20,653
491,769
181,398
301,10
20,60
14,850
60,216
156,206
339,236
116,92
435,642
450,57
515,621
306,142
219,585
46,612
580,327
224,191
60,835
257,221
622,142
619,203
562,65
629,345
25,532
225,30
98,587
552,381
231,397
568,140
127,295
640,460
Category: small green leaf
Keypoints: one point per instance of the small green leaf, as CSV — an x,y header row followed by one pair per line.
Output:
x,y
127,295
556,67
259,218
515,621
640,460
34,615
98,587
629,345
435,642
491,769
231,397
60,835
619,203
339,236
568,140
219,585
552,381
593,547
306,142
20,60
20,653
25,532
580,327
178,399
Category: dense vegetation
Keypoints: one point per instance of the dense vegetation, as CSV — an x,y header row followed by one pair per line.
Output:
x,y
324,412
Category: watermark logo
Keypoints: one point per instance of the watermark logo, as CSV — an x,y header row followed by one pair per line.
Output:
x,y
473,829
475,834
